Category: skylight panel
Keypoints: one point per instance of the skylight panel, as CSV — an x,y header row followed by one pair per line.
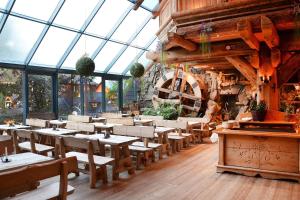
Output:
x,y
74,13
52,47
131,24
126,58
107,17
3,4
35,8
150,4
147,34
106,55
85,45
17,38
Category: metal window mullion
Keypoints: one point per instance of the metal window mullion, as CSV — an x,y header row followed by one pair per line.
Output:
x,y
121,19
44,32
82,30
5,17
103,95
138,56
25,95
115,59
120,96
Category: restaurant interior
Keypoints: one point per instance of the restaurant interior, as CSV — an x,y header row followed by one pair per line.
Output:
x,y
150,99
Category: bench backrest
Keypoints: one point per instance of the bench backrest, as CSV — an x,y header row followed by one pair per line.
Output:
x,y
80,118
194,119
75,143
19,135
172,124
84,127
128,121
154,118
20,180
111,115
40,123
136,131
42,115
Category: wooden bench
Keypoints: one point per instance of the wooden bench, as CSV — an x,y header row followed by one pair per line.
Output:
x,y
26,140
80,118
19,182
94,157
128,121
82,127
143,153
6,142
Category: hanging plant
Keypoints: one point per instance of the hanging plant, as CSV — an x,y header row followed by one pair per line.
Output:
x,y
137,70
85,66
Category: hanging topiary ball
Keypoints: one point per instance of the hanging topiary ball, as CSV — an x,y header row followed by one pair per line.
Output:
x,y
137,70
85,66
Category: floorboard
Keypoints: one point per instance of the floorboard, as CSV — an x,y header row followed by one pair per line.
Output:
x,y
188,175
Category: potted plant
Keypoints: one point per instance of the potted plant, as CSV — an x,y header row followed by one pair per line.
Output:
x,y
85,66
289,111
258,110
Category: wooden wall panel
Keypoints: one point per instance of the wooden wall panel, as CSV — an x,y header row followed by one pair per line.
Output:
x,y
184,5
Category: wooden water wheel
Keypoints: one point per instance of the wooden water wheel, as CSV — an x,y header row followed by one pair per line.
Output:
x,y
181,88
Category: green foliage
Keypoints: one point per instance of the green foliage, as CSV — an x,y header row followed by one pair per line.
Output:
x,y
137,70
167,110
253,105
150,111
85,66
261,107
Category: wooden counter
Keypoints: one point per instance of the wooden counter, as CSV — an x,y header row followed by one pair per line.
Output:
x,y
272,155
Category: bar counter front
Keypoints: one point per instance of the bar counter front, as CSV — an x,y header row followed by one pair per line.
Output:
x,y
270,154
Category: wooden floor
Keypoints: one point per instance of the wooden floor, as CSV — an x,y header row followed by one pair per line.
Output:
x,y
190,174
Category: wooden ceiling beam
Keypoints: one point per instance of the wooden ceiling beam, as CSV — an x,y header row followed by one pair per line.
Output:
x,y
223,49
275,57
269,32
288,69
254,60
244,68
245,31
137,4
175,40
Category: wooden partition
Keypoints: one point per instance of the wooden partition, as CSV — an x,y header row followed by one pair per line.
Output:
x,y
40,123
80,118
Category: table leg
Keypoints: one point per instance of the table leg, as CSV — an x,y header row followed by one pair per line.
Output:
x,y
116,156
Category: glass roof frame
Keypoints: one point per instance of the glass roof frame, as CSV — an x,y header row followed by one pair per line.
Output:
x,y
79,33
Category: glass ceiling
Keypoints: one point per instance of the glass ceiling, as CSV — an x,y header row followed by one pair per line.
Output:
x,y
55,33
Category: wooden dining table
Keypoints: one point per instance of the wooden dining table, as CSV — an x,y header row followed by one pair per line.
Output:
x,y
143,122
98,119
58,123
119,151
21,160
105,126
9,128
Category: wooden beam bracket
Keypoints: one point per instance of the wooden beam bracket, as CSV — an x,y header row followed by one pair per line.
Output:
x,y
245,30
177,40
269,32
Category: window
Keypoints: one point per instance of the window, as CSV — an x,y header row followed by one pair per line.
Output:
x,y
126,58
11,105
107,17
147,34
74,13
17,39
68,94
150,4
3,4
93,95
129,93
131,24
53,47
86,44
111,96
106,55
40,93
36,8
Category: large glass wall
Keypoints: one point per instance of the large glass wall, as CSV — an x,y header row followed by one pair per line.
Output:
x,y
129,93
93,95
68,94
11,105
40,93
111,95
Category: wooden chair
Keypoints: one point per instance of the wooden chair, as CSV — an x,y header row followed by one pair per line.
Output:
x,y
19,182
143,153
80,118
37,123
82,127
25,140
94,157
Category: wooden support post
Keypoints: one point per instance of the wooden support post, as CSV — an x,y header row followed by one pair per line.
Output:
x,y
177,40
245,30
244,67
269,31
254,60
275,57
